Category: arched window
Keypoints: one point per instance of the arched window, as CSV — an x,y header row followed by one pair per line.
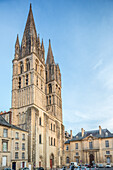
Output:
x,y
49,99
50,88
19,83
27,79
54,141
46,76
40,140
51,126
21,67
54,128
27,65
51,141
67,159
40,121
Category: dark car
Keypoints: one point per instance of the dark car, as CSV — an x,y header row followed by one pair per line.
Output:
x,y
40,168
24,168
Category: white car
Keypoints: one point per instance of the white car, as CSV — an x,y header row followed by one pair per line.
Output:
x,y
108,166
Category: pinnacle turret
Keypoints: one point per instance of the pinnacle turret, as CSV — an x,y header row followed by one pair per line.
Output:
x,y
17,41
38,41
50,58
17,47
42,46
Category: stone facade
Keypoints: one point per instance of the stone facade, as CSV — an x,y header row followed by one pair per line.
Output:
x,y
36,98
13,146
89,147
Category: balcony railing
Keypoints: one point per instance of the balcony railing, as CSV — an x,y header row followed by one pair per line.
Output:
x,y
91,148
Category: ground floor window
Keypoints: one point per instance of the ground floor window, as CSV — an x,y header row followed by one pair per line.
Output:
x,y
4,161
67,159
77,160
108,160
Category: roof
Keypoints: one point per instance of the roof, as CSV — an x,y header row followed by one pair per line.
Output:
x,y
3,113
3,122
67,142
105,133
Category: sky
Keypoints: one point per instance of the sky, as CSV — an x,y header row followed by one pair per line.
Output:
x,y
81,33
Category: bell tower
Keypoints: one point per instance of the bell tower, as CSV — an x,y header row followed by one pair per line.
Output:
x,y
36,98
28,83
53,86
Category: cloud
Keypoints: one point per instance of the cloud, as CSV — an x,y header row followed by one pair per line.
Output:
x,y
105,76
98,64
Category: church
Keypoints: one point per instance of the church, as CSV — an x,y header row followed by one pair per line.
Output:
x,y
36,98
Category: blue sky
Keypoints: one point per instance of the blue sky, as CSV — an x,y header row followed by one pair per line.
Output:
x,y
81,33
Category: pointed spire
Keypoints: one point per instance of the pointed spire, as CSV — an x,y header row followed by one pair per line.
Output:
x,y
17,47
42,46
30,7
50,58
17,41
38,41
30,34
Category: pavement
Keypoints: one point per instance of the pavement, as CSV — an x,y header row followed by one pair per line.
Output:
x,y
94,168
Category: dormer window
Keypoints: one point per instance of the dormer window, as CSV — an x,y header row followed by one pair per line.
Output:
x,y
106,133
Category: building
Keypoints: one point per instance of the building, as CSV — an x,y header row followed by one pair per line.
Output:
x,y
68,136
7,116
36,98
89,147
13,145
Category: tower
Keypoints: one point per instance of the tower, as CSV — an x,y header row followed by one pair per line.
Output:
x,y
36,98
53,86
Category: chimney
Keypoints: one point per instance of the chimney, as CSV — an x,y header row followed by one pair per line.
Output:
x,y
71,133
82,130
100,130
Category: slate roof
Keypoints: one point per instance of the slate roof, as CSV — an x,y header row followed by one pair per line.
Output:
x,y
105,133
3,122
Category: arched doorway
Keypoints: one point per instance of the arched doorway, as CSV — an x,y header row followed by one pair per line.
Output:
x,y
91,159
51,160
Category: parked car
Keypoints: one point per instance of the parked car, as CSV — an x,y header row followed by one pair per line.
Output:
x,y
24,168
63,168
108,166
39,168
101,166
8,169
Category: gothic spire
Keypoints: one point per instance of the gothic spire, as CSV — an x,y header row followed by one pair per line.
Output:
x,y
38,41
17,47
50,58
30,24
42,46
30,34
17,41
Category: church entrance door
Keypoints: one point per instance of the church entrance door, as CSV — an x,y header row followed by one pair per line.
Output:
x,y
91,158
